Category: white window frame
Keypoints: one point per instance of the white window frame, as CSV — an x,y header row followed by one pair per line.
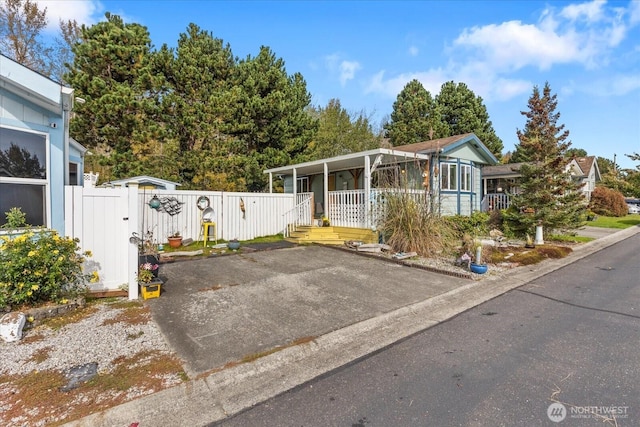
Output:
x,y
302,184
448,171
465,178
45,183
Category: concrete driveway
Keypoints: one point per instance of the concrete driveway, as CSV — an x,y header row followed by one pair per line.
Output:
x,y
222,309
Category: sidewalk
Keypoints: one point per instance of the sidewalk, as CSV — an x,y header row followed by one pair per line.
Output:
x,y
221,394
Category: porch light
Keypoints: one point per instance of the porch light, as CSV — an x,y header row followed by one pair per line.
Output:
x,y
154,203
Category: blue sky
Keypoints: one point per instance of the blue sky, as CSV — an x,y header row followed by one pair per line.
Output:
x,y
364,52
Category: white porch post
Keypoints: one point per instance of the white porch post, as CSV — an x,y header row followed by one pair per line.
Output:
x,y
326,190
367,190
270,182
295,185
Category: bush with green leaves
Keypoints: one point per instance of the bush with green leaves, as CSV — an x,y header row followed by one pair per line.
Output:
x,y
40,266
15,218
476,224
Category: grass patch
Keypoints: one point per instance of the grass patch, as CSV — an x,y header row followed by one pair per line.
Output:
x,y
523,256
36,397
569,239
74,316
615,222
133,314
40,355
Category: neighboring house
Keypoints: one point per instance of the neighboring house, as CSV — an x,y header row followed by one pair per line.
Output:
x,y
37,156
144,181
349,189
499,182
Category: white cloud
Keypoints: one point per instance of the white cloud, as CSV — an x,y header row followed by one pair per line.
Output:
x,y
488,57
86,12
345,70
413,51
591,12
348,71
513,45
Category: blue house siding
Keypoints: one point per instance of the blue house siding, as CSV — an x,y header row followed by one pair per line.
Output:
x,y
33,104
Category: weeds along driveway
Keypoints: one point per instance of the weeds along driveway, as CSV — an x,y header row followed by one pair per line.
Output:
x,y
220,310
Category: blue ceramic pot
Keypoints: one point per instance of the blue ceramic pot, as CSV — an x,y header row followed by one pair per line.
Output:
x,y
233,245
479,268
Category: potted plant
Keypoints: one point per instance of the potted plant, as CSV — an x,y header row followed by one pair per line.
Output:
x,y
233,244
148,280
175,240
529,244
477,266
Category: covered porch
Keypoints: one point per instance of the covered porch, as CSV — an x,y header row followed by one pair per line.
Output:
x,y
347,190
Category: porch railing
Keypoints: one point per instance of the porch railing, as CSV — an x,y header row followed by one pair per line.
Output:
x,y
299,215
347,208
493,201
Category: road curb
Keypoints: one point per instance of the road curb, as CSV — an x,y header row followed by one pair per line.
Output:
x,y
232,390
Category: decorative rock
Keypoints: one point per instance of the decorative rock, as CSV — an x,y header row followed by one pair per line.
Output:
x,y
80,374
11,325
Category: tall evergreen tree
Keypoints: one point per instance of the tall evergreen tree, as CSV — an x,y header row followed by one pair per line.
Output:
x,y
339,132
464,112
549,195
112,72
415,116
196,108
271,121
542,136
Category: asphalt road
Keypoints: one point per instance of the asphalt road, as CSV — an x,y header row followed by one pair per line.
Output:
x,y
570,337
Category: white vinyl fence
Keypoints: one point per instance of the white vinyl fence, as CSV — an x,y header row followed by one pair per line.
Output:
x,y
104,220
242,216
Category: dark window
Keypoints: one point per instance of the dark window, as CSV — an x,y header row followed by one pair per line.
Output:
x,y
22,154
30,198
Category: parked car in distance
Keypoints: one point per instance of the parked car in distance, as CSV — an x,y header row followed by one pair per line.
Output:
x,y
634,209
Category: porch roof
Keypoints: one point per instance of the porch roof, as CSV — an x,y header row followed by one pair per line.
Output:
x,y
349,161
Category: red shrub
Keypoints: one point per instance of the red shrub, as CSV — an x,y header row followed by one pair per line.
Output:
x,y
608,202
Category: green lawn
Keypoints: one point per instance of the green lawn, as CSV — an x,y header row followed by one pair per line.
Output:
x,y
615,222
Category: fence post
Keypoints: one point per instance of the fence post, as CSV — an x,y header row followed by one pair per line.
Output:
x,y
131,197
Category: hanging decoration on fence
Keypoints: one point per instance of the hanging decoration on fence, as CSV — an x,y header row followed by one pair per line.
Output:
x,y
242,208
170,205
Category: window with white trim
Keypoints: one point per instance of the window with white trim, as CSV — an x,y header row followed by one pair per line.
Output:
x,y
23,174
465,178
302,185
449,176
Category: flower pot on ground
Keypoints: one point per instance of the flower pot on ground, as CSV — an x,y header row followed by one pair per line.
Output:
x,y
233,244
175,241
479,268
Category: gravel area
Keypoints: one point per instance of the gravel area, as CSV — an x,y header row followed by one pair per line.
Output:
x,y
88,340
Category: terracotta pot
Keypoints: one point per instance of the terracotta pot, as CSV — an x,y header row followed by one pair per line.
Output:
x,y
175,242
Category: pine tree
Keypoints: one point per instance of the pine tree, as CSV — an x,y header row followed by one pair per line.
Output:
x,y
415,116
549,196
464,112
542,137
112,71
339,132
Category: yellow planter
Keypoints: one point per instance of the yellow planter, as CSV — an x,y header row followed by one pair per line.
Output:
x,y
151,290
